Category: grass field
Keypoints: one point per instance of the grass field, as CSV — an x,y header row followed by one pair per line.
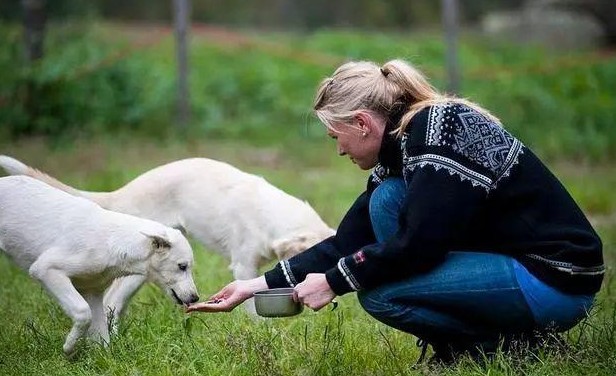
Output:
x,y
157,338
251,99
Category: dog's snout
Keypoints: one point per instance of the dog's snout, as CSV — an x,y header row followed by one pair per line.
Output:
x,y
193,298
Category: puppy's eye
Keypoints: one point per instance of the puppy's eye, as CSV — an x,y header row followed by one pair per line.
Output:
x,y
183,266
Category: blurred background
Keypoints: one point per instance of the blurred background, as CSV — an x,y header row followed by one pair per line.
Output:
x,y
248,69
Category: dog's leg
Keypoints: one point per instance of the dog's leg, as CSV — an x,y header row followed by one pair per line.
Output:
x,y
73,304
117,297
98,330
243,271
247,269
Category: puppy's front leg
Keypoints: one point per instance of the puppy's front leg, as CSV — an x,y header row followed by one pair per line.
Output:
x,y
99,328
117,297
73,304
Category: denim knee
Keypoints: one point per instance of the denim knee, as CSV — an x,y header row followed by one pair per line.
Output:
x,y
389,313
384,207
375,304
387,197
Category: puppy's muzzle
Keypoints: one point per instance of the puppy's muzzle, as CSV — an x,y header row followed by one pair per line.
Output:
x,y
193,298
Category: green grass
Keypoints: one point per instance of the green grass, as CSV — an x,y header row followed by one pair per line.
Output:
x,y
157,338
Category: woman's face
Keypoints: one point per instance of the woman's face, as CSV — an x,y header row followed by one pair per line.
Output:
x,y
360,141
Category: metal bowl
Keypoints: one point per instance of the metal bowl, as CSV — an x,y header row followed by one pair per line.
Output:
x,y
277,303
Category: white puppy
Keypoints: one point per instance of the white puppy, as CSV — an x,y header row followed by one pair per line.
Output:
x,y
237,214
76,249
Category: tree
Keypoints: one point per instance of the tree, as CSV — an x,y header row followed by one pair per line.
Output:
x,y
450,23
181,23
34,20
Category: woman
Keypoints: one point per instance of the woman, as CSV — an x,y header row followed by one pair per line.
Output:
x,y
462,238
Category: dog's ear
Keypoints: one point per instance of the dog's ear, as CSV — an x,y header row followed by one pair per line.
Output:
x,y
159,243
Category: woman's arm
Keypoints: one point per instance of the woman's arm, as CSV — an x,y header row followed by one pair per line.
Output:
x,y
354,232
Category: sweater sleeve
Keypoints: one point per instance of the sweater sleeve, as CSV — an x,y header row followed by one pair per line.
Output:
x,y
354,232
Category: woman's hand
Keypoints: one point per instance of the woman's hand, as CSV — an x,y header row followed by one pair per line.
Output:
x,y
230,296
314,292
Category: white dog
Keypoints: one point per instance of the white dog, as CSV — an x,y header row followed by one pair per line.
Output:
x,y
76,249
237,214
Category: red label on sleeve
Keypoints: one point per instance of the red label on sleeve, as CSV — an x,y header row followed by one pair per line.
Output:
x,y
359,257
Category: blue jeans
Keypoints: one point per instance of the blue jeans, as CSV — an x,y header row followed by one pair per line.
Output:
x,y
470,299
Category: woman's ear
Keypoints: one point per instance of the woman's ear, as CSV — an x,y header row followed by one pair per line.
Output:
x,y
363,120
368,122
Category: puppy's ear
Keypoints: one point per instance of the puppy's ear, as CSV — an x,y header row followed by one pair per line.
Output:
x,y
181,229
159,243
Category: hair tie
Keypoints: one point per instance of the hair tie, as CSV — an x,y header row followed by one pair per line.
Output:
x,y
384,73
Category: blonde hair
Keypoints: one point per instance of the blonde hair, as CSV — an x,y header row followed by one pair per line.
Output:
x,y
363,85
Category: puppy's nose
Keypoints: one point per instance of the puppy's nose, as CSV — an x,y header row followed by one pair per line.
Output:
x,y
193,298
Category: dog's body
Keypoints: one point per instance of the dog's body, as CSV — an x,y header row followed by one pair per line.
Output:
x,y
235,213
76,249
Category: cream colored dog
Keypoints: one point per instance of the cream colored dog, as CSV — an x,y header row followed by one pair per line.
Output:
x,y
76,249
237,214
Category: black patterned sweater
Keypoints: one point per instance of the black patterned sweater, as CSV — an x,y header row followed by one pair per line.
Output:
x,y
470,186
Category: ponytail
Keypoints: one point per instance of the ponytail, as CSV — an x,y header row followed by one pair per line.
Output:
x,y
363,85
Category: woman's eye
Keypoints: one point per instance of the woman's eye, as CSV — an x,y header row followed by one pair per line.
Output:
x,y
183,266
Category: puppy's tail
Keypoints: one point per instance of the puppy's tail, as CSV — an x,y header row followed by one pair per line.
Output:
x,y
14,167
